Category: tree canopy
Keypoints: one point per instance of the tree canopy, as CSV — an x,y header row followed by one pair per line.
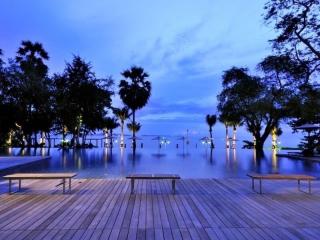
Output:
x,y
298,25
31,102
246,98
81,99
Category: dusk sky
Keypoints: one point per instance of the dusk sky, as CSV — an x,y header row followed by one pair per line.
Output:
x,y
184,45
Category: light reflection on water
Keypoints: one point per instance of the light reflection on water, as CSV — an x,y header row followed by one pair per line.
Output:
x,y
190,162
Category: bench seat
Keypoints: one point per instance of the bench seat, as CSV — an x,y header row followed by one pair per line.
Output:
x,y
21,176
137,176
298,177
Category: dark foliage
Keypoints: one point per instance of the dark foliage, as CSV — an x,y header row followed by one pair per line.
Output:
x,y
135,91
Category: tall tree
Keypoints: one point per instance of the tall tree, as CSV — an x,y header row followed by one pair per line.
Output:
x,y
298,25
135,91
32,89
230,119
81,100
249,99
122,114
211,121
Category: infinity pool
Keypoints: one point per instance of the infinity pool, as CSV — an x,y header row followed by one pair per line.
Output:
x,y
189,162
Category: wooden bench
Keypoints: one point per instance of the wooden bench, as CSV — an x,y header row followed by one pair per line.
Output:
x,y
21,176
172,177
298,178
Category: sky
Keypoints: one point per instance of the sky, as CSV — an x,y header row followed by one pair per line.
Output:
x,y
184,45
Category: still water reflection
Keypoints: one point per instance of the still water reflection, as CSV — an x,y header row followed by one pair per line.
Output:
x,y
189,162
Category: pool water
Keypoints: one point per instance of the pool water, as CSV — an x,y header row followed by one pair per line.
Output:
x,y
188,162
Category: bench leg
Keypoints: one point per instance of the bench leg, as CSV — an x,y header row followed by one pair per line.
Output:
x,y
299,185
132,185
252,183
173,186
260,186
19,184
9,186
69,185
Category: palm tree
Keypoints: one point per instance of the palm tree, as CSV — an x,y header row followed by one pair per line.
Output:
x,y
122,114
134,127
229,119
31,53
136,93
34,86
211,121
235,122
110,123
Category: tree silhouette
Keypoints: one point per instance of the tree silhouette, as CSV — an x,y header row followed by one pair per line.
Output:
x,y
211,121
122,114
81,100
135,91
298,25
32,89
134,127
250,100
110,123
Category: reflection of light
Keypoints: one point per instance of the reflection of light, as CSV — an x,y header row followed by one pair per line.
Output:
x,y
116,141
274,161
164,142
206,142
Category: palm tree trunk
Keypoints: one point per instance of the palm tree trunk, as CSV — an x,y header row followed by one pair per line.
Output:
x,y
211,140
227,136
63,135
35,140
43,139
234,133
49,139
134,132
106,143
111,140
122,135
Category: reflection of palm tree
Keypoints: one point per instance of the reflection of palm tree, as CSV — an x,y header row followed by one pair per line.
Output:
x,y
136,93
122,114
211,121
110,124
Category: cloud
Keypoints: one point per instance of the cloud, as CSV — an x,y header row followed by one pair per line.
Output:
x,y
184,45
176,116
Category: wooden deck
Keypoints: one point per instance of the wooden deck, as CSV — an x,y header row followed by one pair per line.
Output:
x,y
201,209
